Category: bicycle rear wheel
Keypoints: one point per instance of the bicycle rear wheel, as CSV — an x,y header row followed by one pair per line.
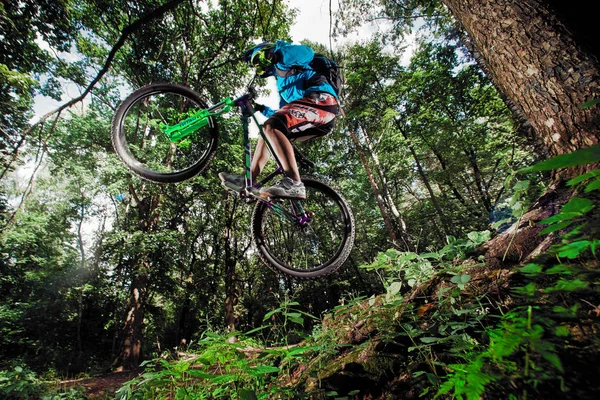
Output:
x,y
310,250
138,138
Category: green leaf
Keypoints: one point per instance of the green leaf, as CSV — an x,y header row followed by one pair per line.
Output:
x,y
579,157
264,369
527,290
501,222
559,269
573,250
575,207
199,374
531,269
568,285
521,185
461,280
394,288
296,319
430,339
593,186
479,237
555,227
392,254
569,312
553,359
271,313
260,328
584,177
223,379
408,256
578,205
430,255
562,331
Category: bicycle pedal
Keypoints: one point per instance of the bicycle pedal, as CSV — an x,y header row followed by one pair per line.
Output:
x,y
251,192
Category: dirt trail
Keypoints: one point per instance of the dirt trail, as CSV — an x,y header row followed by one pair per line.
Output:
x,y
101,385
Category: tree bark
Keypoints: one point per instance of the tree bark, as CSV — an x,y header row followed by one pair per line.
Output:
x,y
536,61
148,218
375,187
533,58
397,216
134,322
445,230
231,292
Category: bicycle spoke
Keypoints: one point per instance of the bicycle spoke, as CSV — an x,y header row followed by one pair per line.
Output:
x,y
149,145
324,240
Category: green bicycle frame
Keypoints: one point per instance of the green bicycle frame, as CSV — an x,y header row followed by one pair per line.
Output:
x,y
178,132
181,130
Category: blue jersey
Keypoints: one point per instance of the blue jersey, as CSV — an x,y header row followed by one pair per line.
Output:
x,y
293,73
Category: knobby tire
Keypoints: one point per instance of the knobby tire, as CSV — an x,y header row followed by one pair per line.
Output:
x,y
128,124
292,250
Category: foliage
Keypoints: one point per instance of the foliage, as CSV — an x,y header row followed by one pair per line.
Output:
x,y
529,340
219,367
400,269
19,383
81,237
443,128
22,383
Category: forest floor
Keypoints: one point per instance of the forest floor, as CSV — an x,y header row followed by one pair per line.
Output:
x,y
101,386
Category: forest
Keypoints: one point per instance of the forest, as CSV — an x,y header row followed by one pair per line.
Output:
x,y
468,153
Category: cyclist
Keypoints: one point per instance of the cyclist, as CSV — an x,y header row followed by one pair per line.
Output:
x,y
308,107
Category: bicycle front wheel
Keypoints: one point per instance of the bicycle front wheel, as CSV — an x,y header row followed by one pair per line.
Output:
x,y
139,140
309,249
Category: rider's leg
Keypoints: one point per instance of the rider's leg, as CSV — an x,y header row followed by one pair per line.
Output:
x,y
259,158
283,150
290,186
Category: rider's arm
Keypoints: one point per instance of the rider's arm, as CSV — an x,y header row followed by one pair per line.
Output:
x,y
264,110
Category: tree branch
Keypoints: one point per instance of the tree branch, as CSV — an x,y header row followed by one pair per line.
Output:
x,y
127,31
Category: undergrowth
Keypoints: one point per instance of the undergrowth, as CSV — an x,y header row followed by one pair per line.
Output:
x,y
455,335
449,328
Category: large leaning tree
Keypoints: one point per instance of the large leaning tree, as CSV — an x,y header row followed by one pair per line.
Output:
x,y
534,57
538,57
542,56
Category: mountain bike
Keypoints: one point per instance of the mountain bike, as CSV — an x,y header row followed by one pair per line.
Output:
x,y
166,133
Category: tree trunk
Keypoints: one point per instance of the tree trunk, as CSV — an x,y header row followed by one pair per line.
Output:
x,y
134,322
81,246
535,61
382,209
398,219
130,352
231,293
445,230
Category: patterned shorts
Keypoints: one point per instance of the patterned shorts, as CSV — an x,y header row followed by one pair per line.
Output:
x,y
311,116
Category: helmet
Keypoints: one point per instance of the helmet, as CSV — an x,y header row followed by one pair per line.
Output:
x,y
262,57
